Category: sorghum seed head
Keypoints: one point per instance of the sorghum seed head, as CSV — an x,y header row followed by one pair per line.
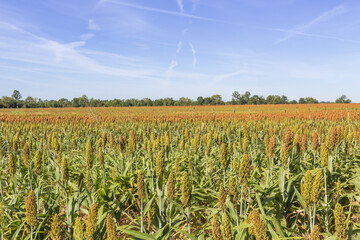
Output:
x,y
226,228
186,190
31,209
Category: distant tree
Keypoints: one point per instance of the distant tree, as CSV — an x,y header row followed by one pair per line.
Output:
x,y
311,100
17,96
308,100
8,102
284,99
236,97
200,100
254,100
343,99
244,98
217,100
30,102
168,102
302,101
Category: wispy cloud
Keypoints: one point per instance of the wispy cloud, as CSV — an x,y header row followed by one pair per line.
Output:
x,y
181,6
299,29
179,46
87,36
27,48
295,32
195,3
92,25
158,10
193,51
172,65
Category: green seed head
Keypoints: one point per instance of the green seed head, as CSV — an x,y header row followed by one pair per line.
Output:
x,y
226,228
315,234
306,190
12,168
340,222
103,140
89,154
78,229
26,155
216,233
141,185
324,155
31,210
100,157
160,164
132,142
222,196
2,219
244,169
233,190
38,163
110,228
65,169
91,222
186,190
170,190
258,228
55,232
223,156
317,187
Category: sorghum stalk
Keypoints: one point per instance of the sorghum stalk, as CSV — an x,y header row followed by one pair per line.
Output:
x,y
141,195
2,221
223,159
160,169
170,192
37,170
234,196
65,175
102,165
186,196
316,193
324,163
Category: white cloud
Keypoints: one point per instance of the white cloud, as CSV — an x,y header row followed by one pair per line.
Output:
x,y
181,6
172,65
193,51
195,3
299,30
26,48
92,25
179,46
87,36
295,32
158,10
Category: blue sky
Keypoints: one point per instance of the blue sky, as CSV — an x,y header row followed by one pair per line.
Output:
x,y
172,48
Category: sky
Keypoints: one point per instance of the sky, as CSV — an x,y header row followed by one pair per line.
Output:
x,y
180,48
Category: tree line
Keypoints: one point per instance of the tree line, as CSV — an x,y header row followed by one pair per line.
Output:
x,y
16,101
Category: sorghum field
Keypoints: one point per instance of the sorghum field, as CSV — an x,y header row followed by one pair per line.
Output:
x,y
216,172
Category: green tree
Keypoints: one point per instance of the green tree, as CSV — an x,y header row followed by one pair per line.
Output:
x,y
343,99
